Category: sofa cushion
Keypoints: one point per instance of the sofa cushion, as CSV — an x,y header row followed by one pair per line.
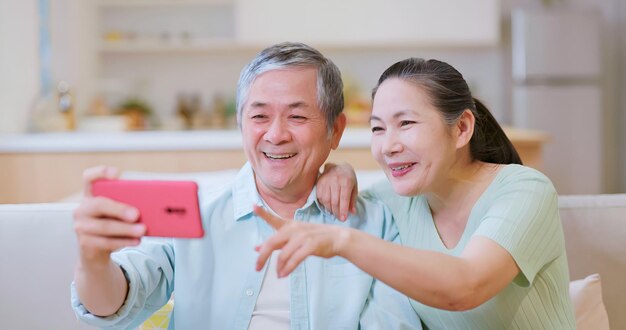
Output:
x,y
594,228
589,309
37,266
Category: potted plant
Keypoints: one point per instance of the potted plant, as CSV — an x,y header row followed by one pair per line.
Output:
x,y
136,111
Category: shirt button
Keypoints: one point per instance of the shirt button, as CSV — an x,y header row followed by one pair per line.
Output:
x,y
249,292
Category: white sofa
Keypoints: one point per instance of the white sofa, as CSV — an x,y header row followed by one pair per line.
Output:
x,y
38,251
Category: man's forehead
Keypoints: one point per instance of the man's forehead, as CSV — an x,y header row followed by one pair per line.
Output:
x,y
290,87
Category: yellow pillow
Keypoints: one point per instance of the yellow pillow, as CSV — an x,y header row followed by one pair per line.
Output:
x,y
160,319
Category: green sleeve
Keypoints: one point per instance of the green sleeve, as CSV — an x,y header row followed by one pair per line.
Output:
x,y
523,218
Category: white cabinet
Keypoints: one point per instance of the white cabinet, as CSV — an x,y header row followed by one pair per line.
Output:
x,y
370,22
159,49
163,25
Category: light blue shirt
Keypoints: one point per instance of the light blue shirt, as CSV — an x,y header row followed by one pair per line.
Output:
x,y
216,285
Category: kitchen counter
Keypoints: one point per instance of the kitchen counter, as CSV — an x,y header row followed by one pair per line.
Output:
x,y
47,167
179,141
146,141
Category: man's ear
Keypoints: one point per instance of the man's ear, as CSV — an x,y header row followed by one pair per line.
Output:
x,y
465,128
338,128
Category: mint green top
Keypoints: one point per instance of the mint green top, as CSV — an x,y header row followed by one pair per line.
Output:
x,y
519,211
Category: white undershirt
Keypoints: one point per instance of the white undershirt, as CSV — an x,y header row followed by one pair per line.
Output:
x,y
272,306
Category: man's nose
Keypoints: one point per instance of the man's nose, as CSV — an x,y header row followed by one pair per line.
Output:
x,y
277,132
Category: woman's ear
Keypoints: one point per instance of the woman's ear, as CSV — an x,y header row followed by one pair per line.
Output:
x,y
465,128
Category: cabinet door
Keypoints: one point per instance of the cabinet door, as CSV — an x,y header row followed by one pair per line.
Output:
x,y
369,22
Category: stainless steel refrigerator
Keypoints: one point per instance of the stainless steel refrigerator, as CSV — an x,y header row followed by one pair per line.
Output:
x,y
557,70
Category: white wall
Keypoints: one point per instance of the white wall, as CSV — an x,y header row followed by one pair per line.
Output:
x,y
613,83
74,59
19,66
621,87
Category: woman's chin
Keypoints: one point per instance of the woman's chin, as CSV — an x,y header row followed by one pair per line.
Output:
x,y
402,185
405,189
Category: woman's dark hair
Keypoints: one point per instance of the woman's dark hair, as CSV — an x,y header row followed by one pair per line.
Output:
x,y
449,93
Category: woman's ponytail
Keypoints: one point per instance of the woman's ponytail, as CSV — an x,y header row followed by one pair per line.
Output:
x,y
489,143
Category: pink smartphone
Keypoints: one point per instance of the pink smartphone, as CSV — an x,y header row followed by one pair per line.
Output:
x,y
167,208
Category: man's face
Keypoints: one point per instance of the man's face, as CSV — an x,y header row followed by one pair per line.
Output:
x,y
284,132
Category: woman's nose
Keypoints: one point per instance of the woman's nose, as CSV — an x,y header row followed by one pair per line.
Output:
x,y
391,145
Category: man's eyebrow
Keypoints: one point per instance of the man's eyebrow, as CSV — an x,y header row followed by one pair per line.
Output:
x,y
298,104
258,104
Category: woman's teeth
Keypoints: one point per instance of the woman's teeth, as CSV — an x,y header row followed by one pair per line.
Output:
x,y
400,168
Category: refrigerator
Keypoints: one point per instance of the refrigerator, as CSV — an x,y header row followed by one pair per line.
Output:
x,y
557,72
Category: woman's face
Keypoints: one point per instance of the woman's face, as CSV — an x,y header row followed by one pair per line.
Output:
x,y
410,139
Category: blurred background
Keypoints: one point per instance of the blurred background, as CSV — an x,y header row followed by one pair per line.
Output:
x,y
83,78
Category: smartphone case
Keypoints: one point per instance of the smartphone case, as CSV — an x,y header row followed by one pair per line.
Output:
x,y
167,208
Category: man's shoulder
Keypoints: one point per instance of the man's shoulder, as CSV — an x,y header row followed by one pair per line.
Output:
x,y
211,194
372,210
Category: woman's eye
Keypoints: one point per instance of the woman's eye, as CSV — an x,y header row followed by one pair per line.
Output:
x,y
406,122
376,129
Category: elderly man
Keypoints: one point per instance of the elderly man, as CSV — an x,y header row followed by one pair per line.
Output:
x,y
289,110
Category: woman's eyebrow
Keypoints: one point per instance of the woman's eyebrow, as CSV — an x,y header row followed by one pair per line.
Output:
x,y
395,115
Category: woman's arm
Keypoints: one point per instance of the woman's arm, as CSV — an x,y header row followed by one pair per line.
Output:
x,y
435,279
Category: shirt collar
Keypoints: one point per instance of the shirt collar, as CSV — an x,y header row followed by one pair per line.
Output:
x,y
245,195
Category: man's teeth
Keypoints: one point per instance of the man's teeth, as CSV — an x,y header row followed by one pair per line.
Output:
x,y
279,156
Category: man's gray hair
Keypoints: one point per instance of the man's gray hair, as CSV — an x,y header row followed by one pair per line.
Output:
x,y
292,54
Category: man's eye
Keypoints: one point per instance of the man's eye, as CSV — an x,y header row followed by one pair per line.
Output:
x,y
406,122
259,117
298,117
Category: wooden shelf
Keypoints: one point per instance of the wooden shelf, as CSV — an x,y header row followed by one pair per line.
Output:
x,y
154,3
174,46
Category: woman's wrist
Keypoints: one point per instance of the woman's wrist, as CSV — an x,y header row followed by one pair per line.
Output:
x,y
344,239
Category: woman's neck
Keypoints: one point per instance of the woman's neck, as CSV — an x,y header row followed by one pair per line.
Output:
x,y
461,188
451,207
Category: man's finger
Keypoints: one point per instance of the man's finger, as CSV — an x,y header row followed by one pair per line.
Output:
x,y
271,219
110,244
110,228
98,172
102,207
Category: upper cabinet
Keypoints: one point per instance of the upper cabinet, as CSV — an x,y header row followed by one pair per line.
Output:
x,y
370,22
165,25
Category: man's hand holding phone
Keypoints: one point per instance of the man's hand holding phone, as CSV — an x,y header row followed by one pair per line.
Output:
x,y
103,225
115,214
